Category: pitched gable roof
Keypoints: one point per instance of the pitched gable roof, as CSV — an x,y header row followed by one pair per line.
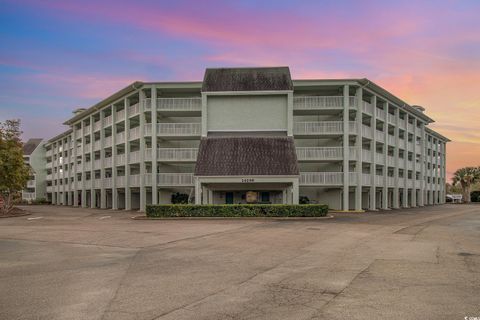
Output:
x,y
247,79
31,145
247,156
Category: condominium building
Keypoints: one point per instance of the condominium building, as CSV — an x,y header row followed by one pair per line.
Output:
x,y
34,158
247,135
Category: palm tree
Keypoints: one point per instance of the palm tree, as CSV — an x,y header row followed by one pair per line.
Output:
x,y
467,177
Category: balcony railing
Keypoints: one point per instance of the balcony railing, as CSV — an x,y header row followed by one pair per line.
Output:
x,y
133,110
367,108
317,102
177,154
134,157
179,104
86,130
97,164
107,121
391,118
175,179
108,141
380,136
97,145
380,113
179,129
321,127
321,178
135,180
367,131
97,126
120,160
31,184
120,137
319,153
391,140
120,181
134,133
107,182
108,162
366,179
28,195
120,115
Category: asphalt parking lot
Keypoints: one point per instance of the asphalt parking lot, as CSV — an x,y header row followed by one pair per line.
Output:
x,y
73,263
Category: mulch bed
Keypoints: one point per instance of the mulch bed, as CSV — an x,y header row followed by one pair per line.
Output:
x,y
16,212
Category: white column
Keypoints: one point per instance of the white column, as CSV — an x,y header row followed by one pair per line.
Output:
x,y
290,113
346,154
92,164
128,191
204,195
437,186
431,174
421,193
210,196
414,164
114,159
143,189
154,145
204,115
405,166
103,192
198,192
396,154
75,165
295,192
359,142
84,168
385,156
373,148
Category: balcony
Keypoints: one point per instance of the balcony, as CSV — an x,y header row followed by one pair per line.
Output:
x,y
179,129
391,140
133,110
367,132
107,121
108,141
380,136
380,113
391,161
120,160
107,162
97,145
321,128
390,181
319,102
49,177
134,133
175,179
120,181
367,108
49,188
134,157
380,158
31,184
135,180
97,183
28,195
97,126
319,153
107,183
120,137
177,154
49,153
366,179
86,130
321,178
120,115
391,118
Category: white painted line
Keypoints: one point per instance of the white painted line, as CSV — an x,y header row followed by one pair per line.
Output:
x,y
36,218
104,217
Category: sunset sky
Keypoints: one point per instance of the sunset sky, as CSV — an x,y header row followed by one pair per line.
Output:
x,y
59,55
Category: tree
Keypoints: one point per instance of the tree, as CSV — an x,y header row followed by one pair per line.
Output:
x,y
14,173
466,177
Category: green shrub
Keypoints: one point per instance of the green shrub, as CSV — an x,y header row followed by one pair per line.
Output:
x,y
238,210
475,196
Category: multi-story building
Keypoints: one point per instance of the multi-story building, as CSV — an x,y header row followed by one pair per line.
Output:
x,y
249,134
34,157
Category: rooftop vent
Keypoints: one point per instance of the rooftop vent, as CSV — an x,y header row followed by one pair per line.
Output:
x,y
419,108
78,111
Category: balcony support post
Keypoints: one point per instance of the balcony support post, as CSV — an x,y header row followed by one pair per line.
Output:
x,y
198,192
153,106
114,159
405,166
373,148
414,165
128,190
143,190
92,165
396,154
421,194
295,192
385,158
359,142
74,168
103,193
346,148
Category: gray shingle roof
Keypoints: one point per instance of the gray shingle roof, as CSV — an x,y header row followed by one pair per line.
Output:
x,y
243,156
31,145
247,79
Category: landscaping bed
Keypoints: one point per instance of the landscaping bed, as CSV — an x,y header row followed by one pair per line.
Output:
x,y
239,210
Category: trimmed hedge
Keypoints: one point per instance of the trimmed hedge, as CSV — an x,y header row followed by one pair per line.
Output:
x,y
237,210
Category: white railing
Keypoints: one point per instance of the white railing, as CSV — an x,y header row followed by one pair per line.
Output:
x,y
97,145
49,188
97,183
86,130
148,129
134,157
179,129
108,162
352,152
317,102
133,110
134,133
49,165
418,166
391,161
179,104
107,182
321,178
134,180
28,195
409,183
31,184
379,180
367,108
147,179
380,113
352,178
366,179
147,104
401,124
367,131
418,184
391,118
120,115
352,126
366,155
380,157
120,137
78,168
318,127
120,160
88,184
401,163
49,152
319,153
79,185
380,136
107,121
148,154
49,177
120,181
390,181
97,126
175,179
391,140
97,164
177,154
108,141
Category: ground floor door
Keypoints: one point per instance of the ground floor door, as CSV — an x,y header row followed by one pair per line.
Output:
x,y
229,197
